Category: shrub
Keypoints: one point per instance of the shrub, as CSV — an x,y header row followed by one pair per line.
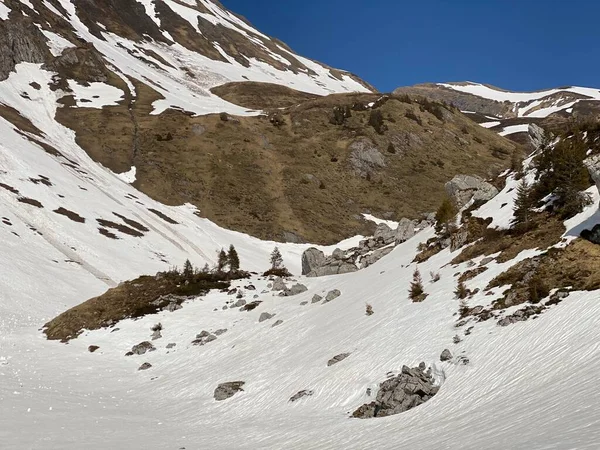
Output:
x,y
461,292
412,116
444,216
435,276
376,121
188,270
537,289
282,272
369,310
224,116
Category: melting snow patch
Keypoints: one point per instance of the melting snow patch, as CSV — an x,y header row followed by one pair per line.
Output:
x,y
489,124
4,10
96,95
56,43
129,176
514,129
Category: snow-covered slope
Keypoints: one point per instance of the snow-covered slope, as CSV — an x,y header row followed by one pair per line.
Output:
x,y
529,104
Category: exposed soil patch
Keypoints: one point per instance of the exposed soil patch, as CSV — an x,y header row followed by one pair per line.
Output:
x,y
132,223
163,216
120,227
108,234
30,201
253,95
136,298
70,214
9,188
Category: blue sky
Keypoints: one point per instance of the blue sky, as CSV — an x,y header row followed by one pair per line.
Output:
x,y
513,44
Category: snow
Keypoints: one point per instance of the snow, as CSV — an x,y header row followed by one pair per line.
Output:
x,y
56,43
390,223
489,124
96,95
129,176
522,128
4,11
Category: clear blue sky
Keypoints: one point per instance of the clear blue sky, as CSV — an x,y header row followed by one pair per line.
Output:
x,y
513,44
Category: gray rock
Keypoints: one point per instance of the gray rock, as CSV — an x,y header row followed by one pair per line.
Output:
x,y
228,390
277,323
593,166
385,234
405,230
331,295
365,158
316,298
446,355
156,335
204,338
239,303
400,393
463,188
338,254
337,358
301,394
171,345
312,259
142,348
303,303
296,289
537,135
265,316
279,285
485,261
93,348
21,41
145,366
375,256
220,331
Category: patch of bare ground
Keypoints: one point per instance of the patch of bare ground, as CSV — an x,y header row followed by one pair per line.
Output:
x,y
119,227
142,296
163,216
108,234
254,95
70,214
293,170
9,188
30,201
21,123
132,223
544,231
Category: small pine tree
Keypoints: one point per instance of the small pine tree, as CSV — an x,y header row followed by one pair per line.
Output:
x,y
416,292
461,291
276,259
524,203
233,259
221,261
444,216
188,270
206,268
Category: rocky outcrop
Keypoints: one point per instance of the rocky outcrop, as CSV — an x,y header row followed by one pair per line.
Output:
x,y
142,348
537,135
203,338
405,230
228,390
365,158
265,316
464,188
315,264
409,389
446,355
21,41
592,235
332,295
593,166
301,394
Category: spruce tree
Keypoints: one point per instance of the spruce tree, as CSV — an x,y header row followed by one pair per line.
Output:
x,y
416,292
222,261
461,291
233,259
445,216
276,259
188,270
524,203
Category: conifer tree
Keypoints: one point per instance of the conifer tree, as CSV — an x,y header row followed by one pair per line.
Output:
x,y
188,270
461,291
233,259
524,204
445,216
276,259
416,292
222,261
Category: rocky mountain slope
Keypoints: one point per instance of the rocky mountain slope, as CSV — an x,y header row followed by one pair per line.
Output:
x,y
509,113
191,104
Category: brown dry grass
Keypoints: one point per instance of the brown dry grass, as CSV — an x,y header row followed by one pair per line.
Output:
x,y
255,95
248,175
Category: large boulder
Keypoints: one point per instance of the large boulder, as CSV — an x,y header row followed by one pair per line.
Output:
x,y
592,235
537,135
464,188
365,158
405,230
373,257
385,234
312,259
593,166
410,388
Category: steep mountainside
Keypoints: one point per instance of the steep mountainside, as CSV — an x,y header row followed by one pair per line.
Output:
x,y
141,85
509,113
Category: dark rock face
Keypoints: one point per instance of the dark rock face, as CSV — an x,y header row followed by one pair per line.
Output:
x,y
21,41
228,390
409,389
446,355
337,358
93,348
203,338
592,235
145,366
301,394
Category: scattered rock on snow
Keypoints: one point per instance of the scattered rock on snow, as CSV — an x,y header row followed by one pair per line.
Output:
x,y
316,298
463,188
142,348
203,338
301,394
265,316
156,335
93,348
171,345
220,331
446,355
337,358
227,390
335,293
145,366
279,322
279,285
239,303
